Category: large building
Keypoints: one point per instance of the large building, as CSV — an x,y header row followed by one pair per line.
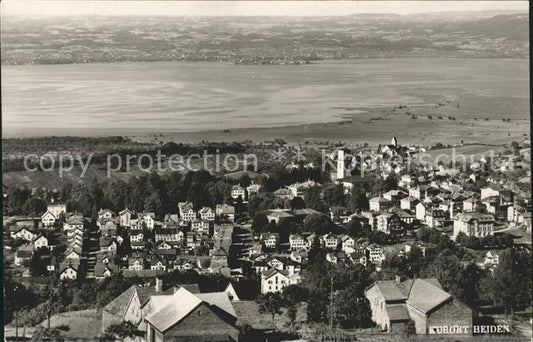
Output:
x,y
473,224
184,316
394,303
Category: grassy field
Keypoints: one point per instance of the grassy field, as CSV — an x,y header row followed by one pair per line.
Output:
x,y
248,313
84,324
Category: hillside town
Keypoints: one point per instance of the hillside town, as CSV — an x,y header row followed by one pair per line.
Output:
x,y
338,252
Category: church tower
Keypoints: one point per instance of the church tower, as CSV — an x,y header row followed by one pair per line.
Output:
x,y
341,169
394,142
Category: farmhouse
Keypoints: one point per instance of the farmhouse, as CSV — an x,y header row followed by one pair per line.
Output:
x,y
394,303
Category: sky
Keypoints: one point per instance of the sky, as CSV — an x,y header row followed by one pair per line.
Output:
x,y
195,8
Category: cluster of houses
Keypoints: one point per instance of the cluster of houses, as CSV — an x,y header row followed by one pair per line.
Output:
x,y
140,244
99,249
442,202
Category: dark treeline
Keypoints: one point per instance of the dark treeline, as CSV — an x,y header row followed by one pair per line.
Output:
x,y
150,192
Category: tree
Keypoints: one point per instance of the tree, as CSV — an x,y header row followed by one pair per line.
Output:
x,y
270,303
201,250
297,203
334,196
218,192
313,199
37,264
352,308
154,204
503,287
318,223
259,222
16,197
292,296
410,328
34,207
123,330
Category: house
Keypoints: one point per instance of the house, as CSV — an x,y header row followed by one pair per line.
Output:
x,y
253,190
408,203
299,189
102,271
184,316
126,307
147,219
22,255
255,249
49,219
470,205
374,253
229,290
394,303
69,272
276,263
435,217
515,213
136,263
157,263
183,264
299,256
420,212
200,226
238,191
169,234
283,193
207,214
136,236
406,181
74,222
225,212
24,233
193,240
406,217
394,196
276,215
330,241
297,241
73,254
489,192
106,214
359,257
186,211
388,223
107,244
107,226
270,240
492,259
473,224
347,244
125,217
163,245
379,203
40,242
420,192
57,209
274,280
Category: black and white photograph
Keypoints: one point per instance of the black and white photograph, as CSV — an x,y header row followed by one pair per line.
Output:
x,y
266,171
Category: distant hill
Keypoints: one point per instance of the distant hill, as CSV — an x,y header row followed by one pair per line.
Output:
x,y
265,40
514,27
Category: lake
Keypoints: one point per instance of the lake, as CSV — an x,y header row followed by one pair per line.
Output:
x,y
136,98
